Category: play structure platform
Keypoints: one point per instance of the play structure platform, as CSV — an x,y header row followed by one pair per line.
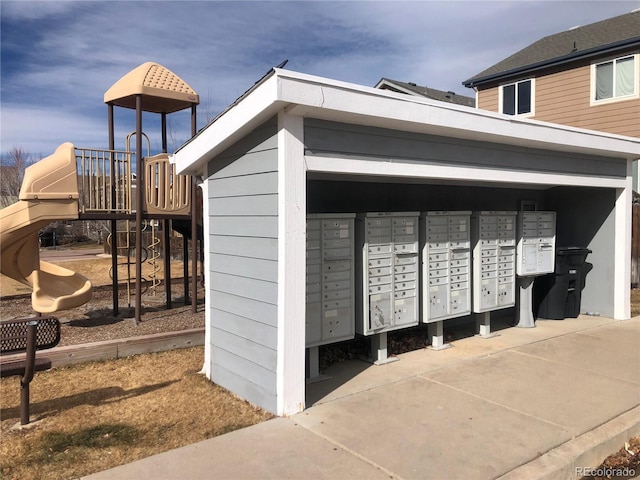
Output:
x,y
105,184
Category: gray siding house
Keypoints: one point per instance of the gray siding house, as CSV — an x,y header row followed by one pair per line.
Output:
x,y
296,144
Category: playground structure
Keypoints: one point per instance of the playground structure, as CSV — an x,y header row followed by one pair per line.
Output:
x,y
110,185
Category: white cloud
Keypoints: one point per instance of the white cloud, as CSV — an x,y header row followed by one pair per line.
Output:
x,y
55,74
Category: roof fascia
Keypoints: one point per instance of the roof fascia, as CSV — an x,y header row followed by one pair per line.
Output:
x,y
322,98
557,61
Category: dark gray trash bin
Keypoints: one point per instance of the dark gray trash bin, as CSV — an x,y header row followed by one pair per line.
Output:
x,y
558,295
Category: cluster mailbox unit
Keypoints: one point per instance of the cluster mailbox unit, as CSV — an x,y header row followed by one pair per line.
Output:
x,y
536,252
446,266
536,243
330,283
388,275
363,272
494,262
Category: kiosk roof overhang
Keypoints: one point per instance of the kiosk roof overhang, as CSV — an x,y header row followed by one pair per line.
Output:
x,y
162,90
322,98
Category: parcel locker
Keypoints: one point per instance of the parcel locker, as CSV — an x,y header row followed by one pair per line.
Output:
x,y
536,243
330,306
388,271
446,265
494,258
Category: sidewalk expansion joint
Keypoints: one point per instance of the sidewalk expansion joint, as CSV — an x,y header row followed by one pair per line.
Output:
x,y
351,452
493,402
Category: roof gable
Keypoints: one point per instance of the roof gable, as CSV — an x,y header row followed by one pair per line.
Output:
x,y
432,93
613,33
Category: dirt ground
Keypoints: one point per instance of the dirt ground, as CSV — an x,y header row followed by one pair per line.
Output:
x,y
96,321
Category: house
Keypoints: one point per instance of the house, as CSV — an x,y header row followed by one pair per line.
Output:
x,y
413,89
587,77
296,144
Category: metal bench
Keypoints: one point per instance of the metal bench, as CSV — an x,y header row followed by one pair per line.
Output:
x,y
27,335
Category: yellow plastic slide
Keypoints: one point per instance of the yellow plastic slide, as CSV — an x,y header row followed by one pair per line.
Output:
x,y
49,192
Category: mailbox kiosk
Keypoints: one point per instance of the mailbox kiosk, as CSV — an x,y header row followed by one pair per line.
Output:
x,y
446,269
330,282
494,262
535,256
388,275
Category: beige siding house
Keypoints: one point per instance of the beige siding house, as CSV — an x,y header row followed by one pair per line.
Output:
x,y
586,77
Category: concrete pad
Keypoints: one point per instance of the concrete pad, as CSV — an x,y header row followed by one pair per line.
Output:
x,y
351,377
590,353
274,449
622,332
581,453
549,391
419,429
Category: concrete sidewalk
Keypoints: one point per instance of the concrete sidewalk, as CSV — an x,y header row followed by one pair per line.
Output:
x,y
529,403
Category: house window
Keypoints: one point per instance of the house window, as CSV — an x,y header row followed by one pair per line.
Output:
x,y
615,78
517,98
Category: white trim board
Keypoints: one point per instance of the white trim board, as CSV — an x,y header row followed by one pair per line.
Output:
x,y
412,170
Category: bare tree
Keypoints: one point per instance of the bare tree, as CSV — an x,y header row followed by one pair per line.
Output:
x,y
14,163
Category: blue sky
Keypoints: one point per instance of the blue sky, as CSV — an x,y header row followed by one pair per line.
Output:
x,y
59,57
